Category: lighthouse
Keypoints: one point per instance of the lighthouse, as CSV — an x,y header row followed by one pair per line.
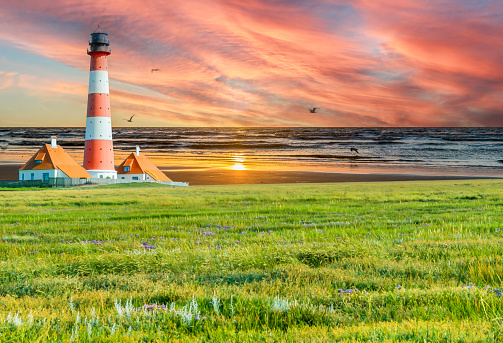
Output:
x,y
99,153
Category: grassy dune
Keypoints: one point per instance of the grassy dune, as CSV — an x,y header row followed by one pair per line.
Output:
x,y
382,262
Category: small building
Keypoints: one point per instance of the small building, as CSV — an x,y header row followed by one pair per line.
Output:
x,y
138,167
51,161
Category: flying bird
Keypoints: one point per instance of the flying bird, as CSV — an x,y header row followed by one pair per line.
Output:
x,y
155,70
313,110
354,150
130,119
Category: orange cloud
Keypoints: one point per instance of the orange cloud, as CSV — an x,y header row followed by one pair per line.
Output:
x,y
263,63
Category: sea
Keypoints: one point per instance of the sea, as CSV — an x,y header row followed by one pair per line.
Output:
x,y
438,151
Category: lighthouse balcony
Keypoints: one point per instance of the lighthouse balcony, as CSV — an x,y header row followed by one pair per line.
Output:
x,y
99,48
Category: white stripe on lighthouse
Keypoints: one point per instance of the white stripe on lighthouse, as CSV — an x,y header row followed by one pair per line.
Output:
x,y
98,81
98,128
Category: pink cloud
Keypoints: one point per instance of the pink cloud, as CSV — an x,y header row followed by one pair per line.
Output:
x,y
363,63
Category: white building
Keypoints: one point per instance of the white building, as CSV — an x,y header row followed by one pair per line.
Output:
x,y
138,167
51,161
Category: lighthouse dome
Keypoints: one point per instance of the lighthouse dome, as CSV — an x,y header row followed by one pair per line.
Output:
x,y
99,41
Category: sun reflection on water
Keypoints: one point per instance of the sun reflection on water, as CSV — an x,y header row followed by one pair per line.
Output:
x,y
239,159
238,166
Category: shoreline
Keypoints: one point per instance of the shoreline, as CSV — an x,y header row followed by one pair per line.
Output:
x,y
206,177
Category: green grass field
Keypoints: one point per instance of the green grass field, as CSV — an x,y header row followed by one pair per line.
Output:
x,y
356,262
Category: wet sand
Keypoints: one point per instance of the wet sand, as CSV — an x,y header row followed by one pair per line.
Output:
x,y
233,177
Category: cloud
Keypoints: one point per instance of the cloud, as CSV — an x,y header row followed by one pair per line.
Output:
x,y
224,63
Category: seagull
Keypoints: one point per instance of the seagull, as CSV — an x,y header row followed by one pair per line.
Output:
x,y
130,119
313,110
155,70
354,149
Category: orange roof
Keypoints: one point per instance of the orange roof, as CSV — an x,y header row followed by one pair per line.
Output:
x,y
140,164
55,158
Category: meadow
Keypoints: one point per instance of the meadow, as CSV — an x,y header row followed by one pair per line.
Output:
x,y
346,262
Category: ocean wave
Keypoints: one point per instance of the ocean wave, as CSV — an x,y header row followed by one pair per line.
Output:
x,y
237,145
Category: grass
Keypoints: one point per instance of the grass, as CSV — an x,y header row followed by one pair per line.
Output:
x,y
357,262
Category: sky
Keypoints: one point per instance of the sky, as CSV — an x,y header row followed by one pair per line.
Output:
x,y
361,63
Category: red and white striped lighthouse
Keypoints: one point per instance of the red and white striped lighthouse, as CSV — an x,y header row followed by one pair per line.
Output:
x,y
99,152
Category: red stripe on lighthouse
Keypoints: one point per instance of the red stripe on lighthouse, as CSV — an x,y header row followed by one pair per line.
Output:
x,y
99,155
98,105
99,61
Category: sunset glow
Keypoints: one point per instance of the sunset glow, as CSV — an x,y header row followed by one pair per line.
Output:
x,y
238,166
257,63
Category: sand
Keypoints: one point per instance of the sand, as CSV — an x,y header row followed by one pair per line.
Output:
x,y
233,177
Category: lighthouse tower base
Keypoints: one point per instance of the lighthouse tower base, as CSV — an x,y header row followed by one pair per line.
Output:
x,y
103,174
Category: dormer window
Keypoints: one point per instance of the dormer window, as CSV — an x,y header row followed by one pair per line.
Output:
x,y
39,158
126,168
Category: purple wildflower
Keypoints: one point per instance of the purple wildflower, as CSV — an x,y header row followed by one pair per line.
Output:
x,y
469,286
148,247
348,291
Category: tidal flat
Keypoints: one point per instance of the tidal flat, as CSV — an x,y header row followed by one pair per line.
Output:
x,y
341,262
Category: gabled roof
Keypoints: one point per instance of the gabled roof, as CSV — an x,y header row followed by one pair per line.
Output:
x,y
140,164
55,158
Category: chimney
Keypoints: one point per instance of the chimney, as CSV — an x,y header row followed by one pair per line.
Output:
x,y
53,142
137,150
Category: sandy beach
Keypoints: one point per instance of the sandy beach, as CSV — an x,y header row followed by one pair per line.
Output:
x,y
220,176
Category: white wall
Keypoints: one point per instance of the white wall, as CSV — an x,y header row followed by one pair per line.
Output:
x,y
129,177
38,174
103,174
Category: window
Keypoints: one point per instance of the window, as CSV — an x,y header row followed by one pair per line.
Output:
x,y
126,168
135,177
38,161
45,176
22,176
121,177
33,176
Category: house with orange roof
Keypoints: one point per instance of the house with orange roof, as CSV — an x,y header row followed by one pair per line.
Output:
x,y
51,161
138,167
